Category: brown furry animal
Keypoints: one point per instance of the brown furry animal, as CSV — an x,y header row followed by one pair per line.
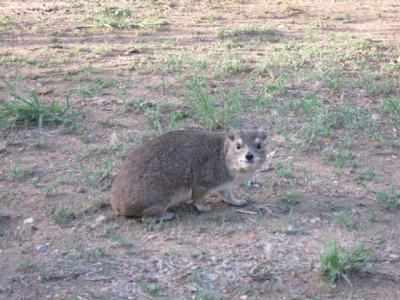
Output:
x,y
184,166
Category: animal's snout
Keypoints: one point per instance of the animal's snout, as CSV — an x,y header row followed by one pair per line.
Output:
x,y
249,156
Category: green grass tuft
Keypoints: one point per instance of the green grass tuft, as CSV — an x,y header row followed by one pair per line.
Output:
x,y
31,110
338,263
61,215
389,200
123,18
207,110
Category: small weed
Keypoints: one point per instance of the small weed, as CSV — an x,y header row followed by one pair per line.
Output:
x,y
204,106
116,18
227,217
27,266
107,229
73,128
264,34
374,217
340,159
38,143
86,138
94,255
4,21
212,114
348,221
61,215
95,87
103,51
284,171
20,173
364,175
208,293
173,64
121,242
31,110
389,200
199,255
278,87
45,273
339,262
391,107
309,106
48,190
153,289
194,275
210,18
99,203
176,116
123,18
101,178
231,65
342,17
290,198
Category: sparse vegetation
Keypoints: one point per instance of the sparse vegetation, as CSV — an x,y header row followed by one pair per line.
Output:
x,y
85,82
29,110
389,200
61,215
339,263
123,18
348,220
211,114
20,173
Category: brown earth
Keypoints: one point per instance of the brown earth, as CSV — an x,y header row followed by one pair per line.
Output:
x,y
267,250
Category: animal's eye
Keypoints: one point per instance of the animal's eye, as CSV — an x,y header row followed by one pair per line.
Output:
x,y
238,146
258,146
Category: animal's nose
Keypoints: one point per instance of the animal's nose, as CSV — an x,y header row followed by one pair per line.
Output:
x,y
249,156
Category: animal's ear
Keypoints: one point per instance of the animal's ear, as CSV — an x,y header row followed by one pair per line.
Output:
x,y
230,133
262,132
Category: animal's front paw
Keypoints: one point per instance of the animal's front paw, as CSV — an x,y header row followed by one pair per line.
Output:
x,y
237,202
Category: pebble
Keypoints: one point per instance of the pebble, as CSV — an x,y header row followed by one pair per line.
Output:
x,y
80,189
28,221
42,248
212,277
315,220
99,220
375,116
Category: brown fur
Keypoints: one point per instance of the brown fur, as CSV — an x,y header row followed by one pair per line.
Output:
x,y
184,166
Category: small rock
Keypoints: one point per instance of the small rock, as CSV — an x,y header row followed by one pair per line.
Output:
x,y
375,116
212,277
2,147
244,297
315,220
28,221
99,220
42,248
114,139
80,189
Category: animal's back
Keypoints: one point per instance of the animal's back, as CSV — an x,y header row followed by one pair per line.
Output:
x,y
165,164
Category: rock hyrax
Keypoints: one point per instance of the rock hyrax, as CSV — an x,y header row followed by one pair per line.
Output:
x,y
184,166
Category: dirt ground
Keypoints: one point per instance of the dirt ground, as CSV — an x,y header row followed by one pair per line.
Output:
x,y
320,75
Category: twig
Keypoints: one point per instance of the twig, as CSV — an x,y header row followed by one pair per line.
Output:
x,y
246,212
100,278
